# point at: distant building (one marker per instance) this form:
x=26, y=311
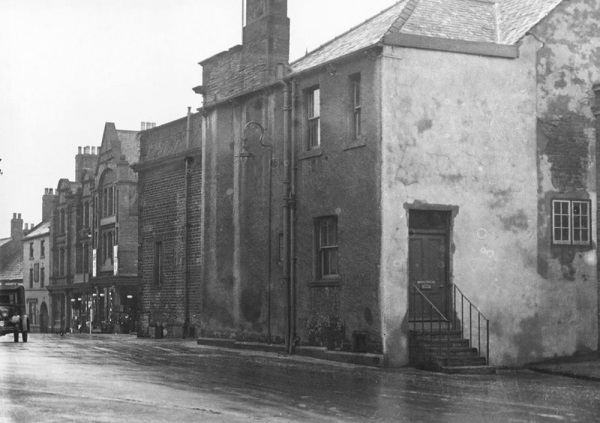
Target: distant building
x=36, y=267
x=94, y=239
x=114, y=233
x=11, y=253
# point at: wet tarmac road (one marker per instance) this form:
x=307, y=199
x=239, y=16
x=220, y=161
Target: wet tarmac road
x=107, y=378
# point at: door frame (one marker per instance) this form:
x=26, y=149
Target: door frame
x=450, y=212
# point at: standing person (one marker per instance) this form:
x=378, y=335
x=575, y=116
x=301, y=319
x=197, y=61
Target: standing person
x=25, y=327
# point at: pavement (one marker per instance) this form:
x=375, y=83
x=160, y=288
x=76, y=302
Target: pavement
x=582, y=366
x=104, y=378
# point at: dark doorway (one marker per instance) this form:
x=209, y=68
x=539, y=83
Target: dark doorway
x=429, y=258
x=44, y=318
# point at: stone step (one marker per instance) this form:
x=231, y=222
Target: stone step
x=439, y=334
x=429, y=326
x=452, y=352
x=461, y=361
x=444, y=343
x=469, y=370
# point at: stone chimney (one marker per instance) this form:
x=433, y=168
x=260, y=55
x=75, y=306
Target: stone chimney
x=16, y=227
x=267, y=33
x=84, y=162
x=48, y=200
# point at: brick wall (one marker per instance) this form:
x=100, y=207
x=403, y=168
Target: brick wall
x=162, y=218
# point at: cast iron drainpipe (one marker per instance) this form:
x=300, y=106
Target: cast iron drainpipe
x=292, y=211
x=186, y=315
x=286, y=213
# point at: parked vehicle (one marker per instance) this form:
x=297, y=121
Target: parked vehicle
x=12, y=311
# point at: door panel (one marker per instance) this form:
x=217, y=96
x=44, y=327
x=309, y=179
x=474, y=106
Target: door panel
x=428, y=263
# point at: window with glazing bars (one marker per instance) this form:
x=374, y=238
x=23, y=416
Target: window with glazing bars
x=313, y=101
x=571, y=222
x=327, y=247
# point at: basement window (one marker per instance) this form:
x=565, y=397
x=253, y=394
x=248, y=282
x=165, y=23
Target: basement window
x=571, y=222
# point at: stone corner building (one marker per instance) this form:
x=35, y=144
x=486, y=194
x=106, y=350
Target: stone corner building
x=433, y=167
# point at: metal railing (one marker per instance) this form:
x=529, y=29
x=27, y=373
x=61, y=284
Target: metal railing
x=465, y=318
x=477, y=323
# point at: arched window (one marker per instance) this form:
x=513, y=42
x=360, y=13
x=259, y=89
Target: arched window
x=108, y=194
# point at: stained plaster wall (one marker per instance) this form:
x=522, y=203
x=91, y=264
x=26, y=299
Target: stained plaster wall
x=568, y=65
x=460, y=130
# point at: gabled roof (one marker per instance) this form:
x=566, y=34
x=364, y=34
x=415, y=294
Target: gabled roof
x=128, y=141
x=501, y=22
x=40, y=230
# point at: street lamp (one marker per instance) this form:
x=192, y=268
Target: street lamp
x=252, y=130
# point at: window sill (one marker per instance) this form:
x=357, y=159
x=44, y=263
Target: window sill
x=357, y=143
x=305, y=155
x=108, y=220
x=325, y=283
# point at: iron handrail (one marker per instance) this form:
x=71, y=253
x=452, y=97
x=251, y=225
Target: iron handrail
x=453, y=323
x=479, y=315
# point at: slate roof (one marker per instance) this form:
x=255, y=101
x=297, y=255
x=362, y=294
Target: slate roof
x=130, y=145
x=12, y=269
x=4, y=241
x=486, y=21
x=40, y=230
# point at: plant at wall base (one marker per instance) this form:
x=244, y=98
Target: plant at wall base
x=329, y=331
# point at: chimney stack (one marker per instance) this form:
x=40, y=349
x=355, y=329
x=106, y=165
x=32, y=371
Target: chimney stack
x=16, y=227
x=48, y=200
x=267, y=34
x=94, y=151
x=86, y=150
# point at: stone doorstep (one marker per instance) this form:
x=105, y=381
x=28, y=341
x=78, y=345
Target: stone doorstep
x=365, y=359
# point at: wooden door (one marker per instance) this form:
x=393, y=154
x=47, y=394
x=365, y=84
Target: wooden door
x=428, y=270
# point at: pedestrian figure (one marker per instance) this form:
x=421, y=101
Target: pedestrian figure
x=25, y=327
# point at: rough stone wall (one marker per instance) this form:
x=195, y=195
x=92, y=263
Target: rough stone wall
x=238, y=299
x=340, y=179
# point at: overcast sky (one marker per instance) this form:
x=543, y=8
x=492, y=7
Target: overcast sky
x=69, y=66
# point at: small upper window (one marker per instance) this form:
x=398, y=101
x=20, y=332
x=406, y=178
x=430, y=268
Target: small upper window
x=571, y=222
x=356, y=106
x=313, y=101
x=31, y=250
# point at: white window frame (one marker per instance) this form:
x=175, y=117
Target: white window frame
x=327, y=248
x=313, y=114
x=570, y=222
